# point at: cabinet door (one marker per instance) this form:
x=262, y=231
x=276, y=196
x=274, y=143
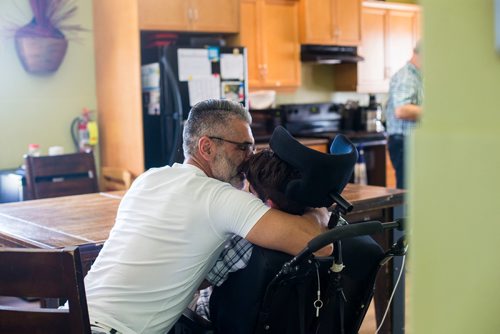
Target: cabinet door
x=280, y=39
x=389, y=32
x=164, y=15
x=215, y=15
x=249, y=37
x=400, y=38
x=372, y=72
x=316, y=22
x=347, y=22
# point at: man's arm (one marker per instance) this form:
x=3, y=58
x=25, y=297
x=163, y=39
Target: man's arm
x=410, y=112
x=290, y=233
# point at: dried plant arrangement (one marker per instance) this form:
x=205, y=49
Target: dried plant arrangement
x=41, y=44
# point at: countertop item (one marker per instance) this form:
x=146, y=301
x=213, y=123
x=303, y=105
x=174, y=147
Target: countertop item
x=261, y=99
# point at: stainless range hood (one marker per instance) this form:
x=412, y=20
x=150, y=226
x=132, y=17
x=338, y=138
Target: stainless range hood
x=329, y=54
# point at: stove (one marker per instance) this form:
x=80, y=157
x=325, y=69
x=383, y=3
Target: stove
x=316, y=120
x=305, y=120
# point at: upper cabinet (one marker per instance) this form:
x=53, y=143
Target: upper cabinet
x=189, y=15
x=269, y=30
x=389, y=34
x=330, y=22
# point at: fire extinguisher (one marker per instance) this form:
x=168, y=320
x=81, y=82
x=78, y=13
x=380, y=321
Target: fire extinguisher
x=84, y=132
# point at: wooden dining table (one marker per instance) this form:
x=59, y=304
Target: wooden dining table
x=86, y=221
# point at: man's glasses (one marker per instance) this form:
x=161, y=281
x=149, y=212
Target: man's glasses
x=245, y=146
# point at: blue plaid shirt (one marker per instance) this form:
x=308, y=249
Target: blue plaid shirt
x=235, y=256
x=405, y=88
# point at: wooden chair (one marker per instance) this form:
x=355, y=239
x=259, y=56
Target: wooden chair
x=60, y=175
x=114, y=178
x=44, y=273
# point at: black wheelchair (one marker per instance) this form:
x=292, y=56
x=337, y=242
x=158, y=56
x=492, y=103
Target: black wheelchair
x=280, y=294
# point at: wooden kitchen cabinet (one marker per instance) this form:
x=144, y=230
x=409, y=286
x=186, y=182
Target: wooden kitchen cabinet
x=330, y=22
x=389, y=33
x=269, y=30
x=189, y=15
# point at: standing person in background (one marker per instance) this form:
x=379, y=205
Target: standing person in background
x=403, y=110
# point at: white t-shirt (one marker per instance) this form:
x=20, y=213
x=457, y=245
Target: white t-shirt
x=170, y=228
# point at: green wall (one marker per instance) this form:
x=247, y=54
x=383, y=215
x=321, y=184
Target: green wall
x=454, y=174
x=39, y=109
x=316, y=85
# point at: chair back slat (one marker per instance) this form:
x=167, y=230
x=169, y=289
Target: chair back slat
x=46, y=320
x=65, y=187
x=54, y=273
x=60, y=175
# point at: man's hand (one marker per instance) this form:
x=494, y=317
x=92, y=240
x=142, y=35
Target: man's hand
x=290, y=233
x=320, y=215
x=410, y=112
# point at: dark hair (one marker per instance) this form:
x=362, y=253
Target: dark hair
x=269, y=175
x=210, y=117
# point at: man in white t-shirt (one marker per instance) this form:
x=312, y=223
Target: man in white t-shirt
x=174, y=221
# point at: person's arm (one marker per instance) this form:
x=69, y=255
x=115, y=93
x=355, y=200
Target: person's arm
x=290, y=233
x=410, y=112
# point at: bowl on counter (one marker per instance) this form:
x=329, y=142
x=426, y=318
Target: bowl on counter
x=262, y=99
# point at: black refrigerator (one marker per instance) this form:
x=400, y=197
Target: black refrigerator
x=174, y=78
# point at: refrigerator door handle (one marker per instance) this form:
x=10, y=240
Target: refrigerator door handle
x=176, y=115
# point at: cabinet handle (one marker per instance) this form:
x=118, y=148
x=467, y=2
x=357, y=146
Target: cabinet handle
x=262, y=71
x=387, y=72
x=190, y=14
x=196, y=14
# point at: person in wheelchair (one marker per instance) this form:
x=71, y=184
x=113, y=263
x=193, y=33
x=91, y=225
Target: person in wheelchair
x=236, y=307
x=267, y=177
x=174, y=221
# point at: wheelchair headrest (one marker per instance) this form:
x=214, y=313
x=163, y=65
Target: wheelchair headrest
x=322, y=174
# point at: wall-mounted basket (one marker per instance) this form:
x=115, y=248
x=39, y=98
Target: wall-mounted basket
x=41, y=55
x=41, y=45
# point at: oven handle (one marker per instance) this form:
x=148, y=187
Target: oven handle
x=369, y=143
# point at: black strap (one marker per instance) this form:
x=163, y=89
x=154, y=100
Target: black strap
x=301, y=305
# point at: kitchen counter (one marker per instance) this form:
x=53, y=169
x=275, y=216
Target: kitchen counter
x=354, y=136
